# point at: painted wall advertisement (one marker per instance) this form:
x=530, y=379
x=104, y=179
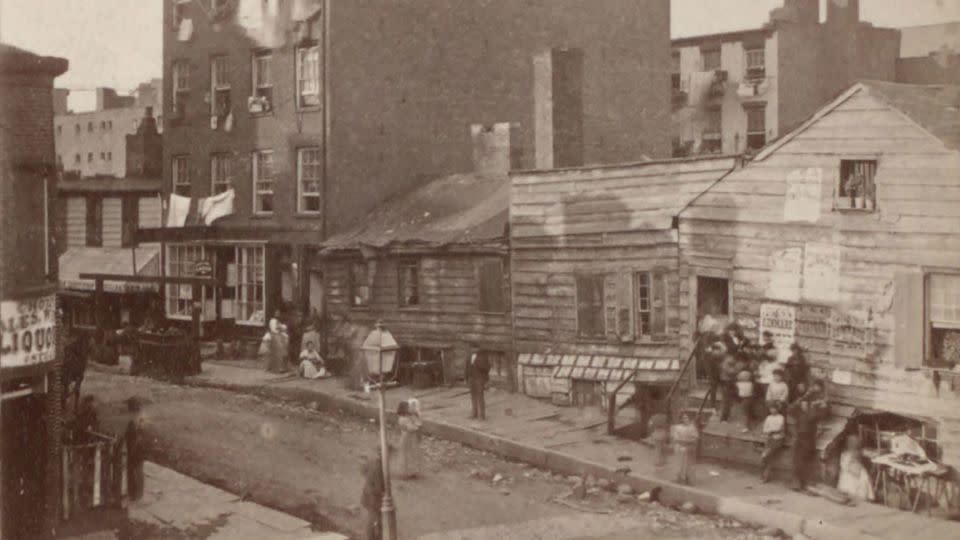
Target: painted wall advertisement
x=28, y=331
x=821, y=272
x=802, y=202
x=786, y=266
x=781, y=321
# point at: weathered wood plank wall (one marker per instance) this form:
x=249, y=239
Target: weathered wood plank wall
x=734, y=229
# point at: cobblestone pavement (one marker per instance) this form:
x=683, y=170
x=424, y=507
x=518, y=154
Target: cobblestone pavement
x=294, y=459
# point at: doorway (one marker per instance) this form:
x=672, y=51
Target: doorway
x=713, y=299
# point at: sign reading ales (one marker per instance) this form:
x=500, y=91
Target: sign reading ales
x=28, y=331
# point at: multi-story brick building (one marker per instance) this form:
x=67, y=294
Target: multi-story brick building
x=315, y=111
x=930, y=54
x=29, y=363
x=94, y=143
x=736, y=91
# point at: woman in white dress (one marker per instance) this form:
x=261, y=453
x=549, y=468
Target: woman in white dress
x=854, y=476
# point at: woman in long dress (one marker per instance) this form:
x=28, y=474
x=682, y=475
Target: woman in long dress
x=408, y=458
x=278, y=345
x=854, y=477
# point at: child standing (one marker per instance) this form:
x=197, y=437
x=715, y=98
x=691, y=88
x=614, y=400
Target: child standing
x=659, y=438
x=745, y=396
x=778, y=391
x=685, y=436
x=729, y=368
x=775, y=434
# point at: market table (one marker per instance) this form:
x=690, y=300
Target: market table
x=925, y=476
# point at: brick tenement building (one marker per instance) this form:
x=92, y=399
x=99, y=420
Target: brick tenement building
x=316, y=112
x=737, y=91
x=29, y=362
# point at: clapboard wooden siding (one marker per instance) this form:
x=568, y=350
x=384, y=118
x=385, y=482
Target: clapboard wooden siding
x=76, y=222
x=614, y=221
x=149, y=211
x=448, y=315
x=112, y=221
x=735, y=228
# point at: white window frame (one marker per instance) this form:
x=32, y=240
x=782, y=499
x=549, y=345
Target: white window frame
x=219, y=83
x=180, y=75
x=261, y=63
x=308, y=76
x=260, y=157
x=762, y=111
x=180, y=167
x=703, y=59
x=251, y=286
x=221, y=172
x=179, y=298
x=302, y=193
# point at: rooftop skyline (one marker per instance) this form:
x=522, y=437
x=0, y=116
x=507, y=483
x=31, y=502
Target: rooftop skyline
x=122, y=43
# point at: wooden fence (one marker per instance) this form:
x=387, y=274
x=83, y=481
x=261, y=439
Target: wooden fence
x=94, y=474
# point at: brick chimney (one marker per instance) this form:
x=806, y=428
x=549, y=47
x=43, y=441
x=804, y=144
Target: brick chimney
x=843, y=12
x=558, y=108
x=495, y=148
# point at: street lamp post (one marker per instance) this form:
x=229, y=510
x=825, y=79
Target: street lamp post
x=380, y=351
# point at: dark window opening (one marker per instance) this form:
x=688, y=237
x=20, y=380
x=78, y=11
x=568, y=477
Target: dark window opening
x=493, y=293
x=94, y=222
x=590, y=320
x=408, y=283
x=857, y=189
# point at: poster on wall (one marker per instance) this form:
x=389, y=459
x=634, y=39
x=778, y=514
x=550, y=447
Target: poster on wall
x=785, y=270
x=781, y=321
x=851, y=333
x=28, y=331
x=802, y=202
x=821, y=272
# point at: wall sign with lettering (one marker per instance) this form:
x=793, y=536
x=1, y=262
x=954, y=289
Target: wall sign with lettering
x=28, y=331
x=781, y=321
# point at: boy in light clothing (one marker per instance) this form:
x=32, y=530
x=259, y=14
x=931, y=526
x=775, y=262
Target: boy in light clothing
x=774, y=431
x=778, y=390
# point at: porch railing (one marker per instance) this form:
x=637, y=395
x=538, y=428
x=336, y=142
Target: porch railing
x=94, y=474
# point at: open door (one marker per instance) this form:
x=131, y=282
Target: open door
x=713, y=299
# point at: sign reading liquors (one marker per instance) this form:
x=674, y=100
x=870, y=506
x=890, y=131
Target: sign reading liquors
x=28, y=331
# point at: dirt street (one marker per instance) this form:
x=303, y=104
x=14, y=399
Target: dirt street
x=307, y=463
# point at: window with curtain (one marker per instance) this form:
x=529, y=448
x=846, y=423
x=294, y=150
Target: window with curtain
x=943, y=318
x=263, y=181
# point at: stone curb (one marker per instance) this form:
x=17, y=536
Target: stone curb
x=671, y=493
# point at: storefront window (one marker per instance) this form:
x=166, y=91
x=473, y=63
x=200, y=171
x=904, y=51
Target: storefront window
x=250, y=285
x=180, y=263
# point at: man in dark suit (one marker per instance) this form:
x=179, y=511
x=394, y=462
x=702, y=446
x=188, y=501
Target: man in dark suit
x=478, y=373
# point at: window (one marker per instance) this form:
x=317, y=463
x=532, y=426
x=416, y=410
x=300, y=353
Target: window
x=262, y=99
x=359, y=284
x=76, y=129
x=250, y=283
x=220, y=86
x=857, y=189
x=181, y=259
x=712, y=142
x=756, y=67
x=675, y=71
x=221, y=174
x=103, y=125
x=82, y=315
x=710, y=59
x=109, y=156
x=181, y=175
x=130, y=219
x=943, y=319
x=77, y=159
x=59, y=130
x=590, y=305
x=89, y=127
x=756, y=127
x=308, y=180
x=94, y=222
x=181, y=88
x=263, y=181
x=650, y=291
x=308, y=76
x=109, y=125
x=89, y=157
x=493, y=293
x=103, y=156
x=408, y=283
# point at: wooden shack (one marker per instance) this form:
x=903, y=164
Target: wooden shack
x=596, y=292
x=844, y=236
x=432, y=265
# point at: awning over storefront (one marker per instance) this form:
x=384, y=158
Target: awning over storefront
x=81, y=260
x=601, y=367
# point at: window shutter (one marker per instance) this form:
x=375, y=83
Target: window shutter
x=611, y=306
x=491, y=286
x=590, y=302
x=658, y=304
x=625, y=307
x=909, y=319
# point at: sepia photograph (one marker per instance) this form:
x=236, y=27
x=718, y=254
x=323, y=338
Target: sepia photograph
x=479, y=269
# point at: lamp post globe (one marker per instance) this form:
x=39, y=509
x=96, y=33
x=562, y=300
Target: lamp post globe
x=380, y=352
